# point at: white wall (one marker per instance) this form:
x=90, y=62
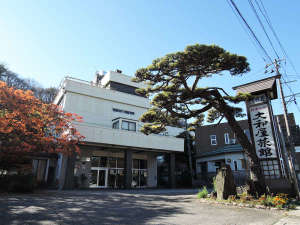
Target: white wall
x=100, y=134
x=96, y=105
x=99, y=111
x=120, y=78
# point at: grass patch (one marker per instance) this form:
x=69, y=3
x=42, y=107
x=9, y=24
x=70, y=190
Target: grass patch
x=203, y=193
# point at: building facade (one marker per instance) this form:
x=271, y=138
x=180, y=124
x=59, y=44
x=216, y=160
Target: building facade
x=114, y=154
x=217, y=145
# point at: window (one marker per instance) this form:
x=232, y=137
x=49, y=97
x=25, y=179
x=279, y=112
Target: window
x=226, y=138
x=126, y=125
x=244, y=163
x=116, y=125
x=235, y=165
x=213, y=139
x=247, y=132
x=270, y=168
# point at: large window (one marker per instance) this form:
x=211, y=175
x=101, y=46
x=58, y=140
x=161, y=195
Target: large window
x=109, y=172
x=226, y=139
x=213, y=139
x=124, y=124
x=127, y=125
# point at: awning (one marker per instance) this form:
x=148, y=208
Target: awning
x=222, y=150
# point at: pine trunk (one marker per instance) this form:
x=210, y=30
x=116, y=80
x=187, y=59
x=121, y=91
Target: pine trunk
x=256, y=176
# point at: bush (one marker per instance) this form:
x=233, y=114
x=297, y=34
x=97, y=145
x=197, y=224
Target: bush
x=17, y=183
x=203, y=193
x=279, y=201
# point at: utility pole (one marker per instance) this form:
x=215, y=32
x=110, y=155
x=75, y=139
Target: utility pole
x=189, y=152
x=290, y=143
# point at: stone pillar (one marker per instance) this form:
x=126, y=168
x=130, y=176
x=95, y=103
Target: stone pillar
x=172, y=181
x=127, y=169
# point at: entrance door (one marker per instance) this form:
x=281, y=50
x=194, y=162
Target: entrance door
x=99, y=178
x=102, y=178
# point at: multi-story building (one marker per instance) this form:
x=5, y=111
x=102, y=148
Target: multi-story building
x=114, y=153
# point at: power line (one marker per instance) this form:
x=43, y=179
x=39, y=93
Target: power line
x=250, y=29
x=263, y=11
x=263, y=27
x=246, y=31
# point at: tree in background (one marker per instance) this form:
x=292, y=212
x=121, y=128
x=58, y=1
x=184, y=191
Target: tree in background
x=28, y=127
x=174, y=85
x=12, y=79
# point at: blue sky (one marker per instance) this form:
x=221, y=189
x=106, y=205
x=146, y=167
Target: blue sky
x=47, y=40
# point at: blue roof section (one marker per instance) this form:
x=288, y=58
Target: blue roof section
x=223, y=150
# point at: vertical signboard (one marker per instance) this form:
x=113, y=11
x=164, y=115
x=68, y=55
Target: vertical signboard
x=263, y=136
x=262, y=132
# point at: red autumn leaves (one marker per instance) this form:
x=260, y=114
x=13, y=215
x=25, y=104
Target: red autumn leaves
x=28, y=125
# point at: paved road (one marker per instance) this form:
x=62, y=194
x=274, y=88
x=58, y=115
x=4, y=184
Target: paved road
x=130, y=207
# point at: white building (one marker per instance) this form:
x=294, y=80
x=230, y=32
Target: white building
x=114, y=153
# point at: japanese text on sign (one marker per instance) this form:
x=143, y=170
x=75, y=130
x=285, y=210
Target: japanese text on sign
x=262, y=131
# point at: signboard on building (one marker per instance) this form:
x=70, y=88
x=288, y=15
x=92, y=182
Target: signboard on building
x=262, y=131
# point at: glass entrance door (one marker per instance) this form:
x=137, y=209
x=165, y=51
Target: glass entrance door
x=98, y=178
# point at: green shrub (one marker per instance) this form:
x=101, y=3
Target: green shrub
x=266, y=200
x=203, y=193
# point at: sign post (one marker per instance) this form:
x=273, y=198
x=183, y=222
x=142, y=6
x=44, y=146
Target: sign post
x=263, y=132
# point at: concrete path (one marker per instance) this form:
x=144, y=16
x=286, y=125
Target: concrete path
x=131, y=207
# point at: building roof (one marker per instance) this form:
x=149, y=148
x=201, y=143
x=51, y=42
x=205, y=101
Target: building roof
x=259, y=86
x=223, y=150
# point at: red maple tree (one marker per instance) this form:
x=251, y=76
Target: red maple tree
x=29, y=127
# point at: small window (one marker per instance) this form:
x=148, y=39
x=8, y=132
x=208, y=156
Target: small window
x=235, y=165
x=226, y=139
x=213, y=139
x=126, y=125
x=123, y=111
x=247, y=132
x=116, y=125
x=244, y=163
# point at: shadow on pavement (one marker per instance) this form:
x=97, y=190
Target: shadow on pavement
x=88, y=208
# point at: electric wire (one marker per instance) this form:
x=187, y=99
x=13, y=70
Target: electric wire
x=263, y=27
x=247, y=32
x=264, y=12
x=250, y=29
x=258, y=43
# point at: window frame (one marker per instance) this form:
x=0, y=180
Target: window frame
x=213, y=139
x=117, y=126
x=248, y=134
x=226, y=138
x=128, y=127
